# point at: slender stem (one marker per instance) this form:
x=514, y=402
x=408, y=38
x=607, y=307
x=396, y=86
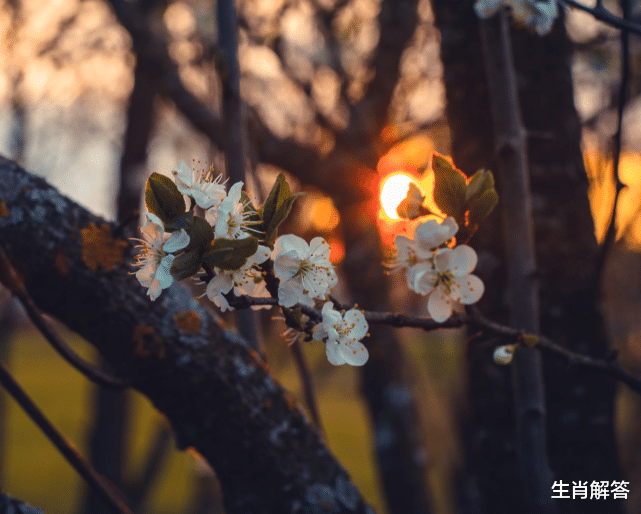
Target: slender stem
x=10, y=279
x=608, y=367
x=107, y=491
x=602, y=14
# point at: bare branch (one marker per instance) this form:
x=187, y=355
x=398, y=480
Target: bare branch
x=10, y=279
x=219, y=398
x=107, y=491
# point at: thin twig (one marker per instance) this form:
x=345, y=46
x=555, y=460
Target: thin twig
x=602, y=14
x=11, y=280
x=474, y=318
x=107, y=491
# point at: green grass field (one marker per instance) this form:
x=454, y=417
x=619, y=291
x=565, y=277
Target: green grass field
x=33, y=471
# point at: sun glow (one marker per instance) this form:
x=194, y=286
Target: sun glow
x=394, y=190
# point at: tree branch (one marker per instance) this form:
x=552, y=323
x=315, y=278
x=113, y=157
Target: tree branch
x=217, y=395
x=107, y=491
x=9, y=279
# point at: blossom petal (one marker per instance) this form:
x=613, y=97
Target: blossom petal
x=177, y=241
x=319, y=248
x=145, y=275
x=462, y=260
x=290, y=242
x=207, y=196
x=185, y=174
x=357, y=324
x=468, y=289
x=431, y=234
x=154, y=290
x=155, y=220
x=234, y=193
x=261, y=255
x=405, y=248
x=439, y=304
x=318, y=332
x=222, y=228
x=163, y=273
x=333, y=355
x=424, y=280
x=353, y=352
x=290, y=292
x=211, y=216
x=286, y=264
x=442, y=259
x=217, y=286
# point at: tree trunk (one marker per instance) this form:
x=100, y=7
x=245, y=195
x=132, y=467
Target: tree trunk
x=219, y=398
x=581, y=441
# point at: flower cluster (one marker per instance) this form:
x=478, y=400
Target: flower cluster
x=536, y=14
x=231, y=244
x=440, y=273
x=343, y=333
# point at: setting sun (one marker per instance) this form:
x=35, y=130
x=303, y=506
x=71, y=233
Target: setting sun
x=393, y=192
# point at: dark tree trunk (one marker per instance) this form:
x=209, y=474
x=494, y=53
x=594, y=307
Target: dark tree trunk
x=219, y=398
x=580, y=404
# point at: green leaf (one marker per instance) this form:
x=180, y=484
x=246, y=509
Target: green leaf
x=183, y=221
x=186, y=264
x=271, y=231
x=230, y=254
x=200, y=234
x=163, y=199
x=480, y=182
x=482, y=207
x=449, y=187
x=279, y=193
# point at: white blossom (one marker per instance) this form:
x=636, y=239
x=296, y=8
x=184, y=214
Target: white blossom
x=305, y=271
x=198, y=185
x=230, y=219
x=414, y=254
x=244, y=281
x=156, y=258
x=343, y=333
x=538, y=15
x=431, y=234
x=447, y=281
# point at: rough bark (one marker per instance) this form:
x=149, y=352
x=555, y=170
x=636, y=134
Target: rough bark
x=217, y=396
x=580, y=431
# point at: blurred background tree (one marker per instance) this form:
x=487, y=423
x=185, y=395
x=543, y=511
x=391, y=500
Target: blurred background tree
x=341, y=95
